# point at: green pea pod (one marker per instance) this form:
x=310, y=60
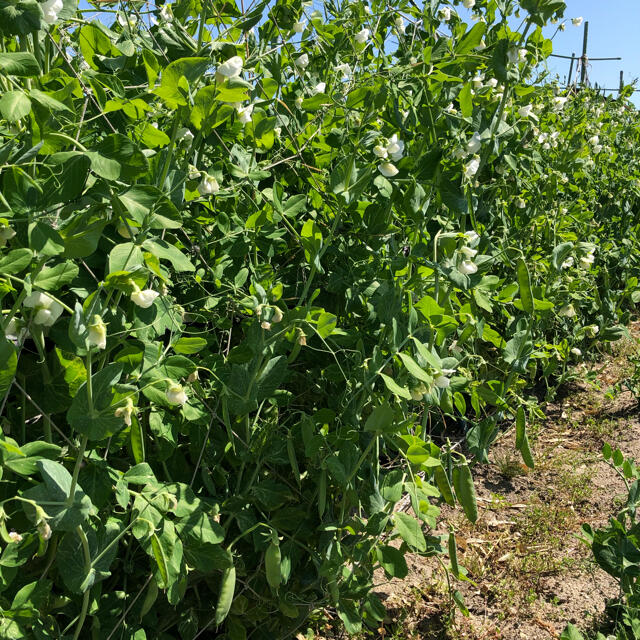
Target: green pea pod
x=272, y=561
x=465, y=491
x=225, y=598
x=522, y=440
x=524, y=283
x=453, y=554
x=442, y=482
x=293, y=461
x=322, y=493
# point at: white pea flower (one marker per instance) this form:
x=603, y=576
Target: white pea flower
x=468, y=252
x=387, y=169
x=208, y=185
x=176, y=394
x=302, y=61
x=15, y=537
x=129, y=21
x=567, y=311
x=521, y=203
x=512, y=55
x=298, y=102
x=492, y=83
x=467, y=267
x=125, y=412
x=47, y=309
x=367, y=9
x=380, y=151
x=277, y=315
x=587, y=261
x=526, y=111
x=231, y=68
x=298, y=27
x=445, y=14
x=418, y=392
x=145, y=298
x=395, y=148
x=471, y=168
x=193, y=376
x=98, y=333
x=277, y=131
x=51, y=9
x=44, y=529
x=244, y=116
x=592, y=330
x=442, y=381
x=166, y=13
x=399, y=22
x=471, y=236
x=362, y=36
x=522, y=54
x=474, y=144
x=477, y=81
x=576, y=22
x=576, y=351
x=320, y=87
x=265, y=325
x=194, y=173
x=185, y=135
x=594, y=140
x=597, y=149
x=469, y=4
x=15, y=331
x=482, y=46
x=343, y=70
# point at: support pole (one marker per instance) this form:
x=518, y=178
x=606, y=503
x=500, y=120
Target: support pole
x=584, y=59
x=573, y=58
x=621, y=82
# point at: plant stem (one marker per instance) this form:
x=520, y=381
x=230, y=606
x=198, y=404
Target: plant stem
x=85, y=439
x=87, y=567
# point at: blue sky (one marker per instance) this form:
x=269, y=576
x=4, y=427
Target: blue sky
x=613, y=31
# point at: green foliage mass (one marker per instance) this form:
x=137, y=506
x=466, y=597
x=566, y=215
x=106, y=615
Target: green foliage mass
x=260, y=267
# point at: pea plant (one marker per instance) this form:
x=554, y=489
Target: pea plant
x=266, y=273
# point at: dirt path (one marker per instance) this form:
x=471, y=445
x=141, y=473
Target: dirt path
x=530, y=573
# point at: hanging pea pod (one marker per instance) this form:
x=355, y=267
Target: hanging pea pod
x=322, y=493
x=225, y=597
x=524, y=282
x=443, y=484
x=453, y=554
x=465, y=491
x=272, y=563
x=522, y=439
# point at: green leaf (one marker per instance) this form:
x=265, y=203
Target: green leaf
x=410, y=531
x=8, y=365
x=560, y=254
x=164, y=250
x=466, y=101
x=47, y=101
x=187, y=346
x=392, y=561
x=97, y=419
x=176, y=78
x=53, y=278
x=471, y=38
x=53, y=494
x=125, y=257
x=45, y=240
x=381, y=419
x=16, y=261
x=571, y=633
x=414, y=369
x=14, y=105
x=19, y=63
x=395, y=388
x=19, y=18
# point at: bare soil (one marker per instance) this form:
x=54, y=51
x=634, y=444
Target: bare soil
x=529, y=573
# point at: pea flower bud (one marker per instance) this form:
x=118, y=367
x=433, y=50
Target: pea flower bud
x=176, y=394
x=98, y=333
x=125, y=412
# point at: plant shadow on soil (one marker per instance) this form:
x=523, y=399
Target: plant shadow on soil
x=529, y=572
